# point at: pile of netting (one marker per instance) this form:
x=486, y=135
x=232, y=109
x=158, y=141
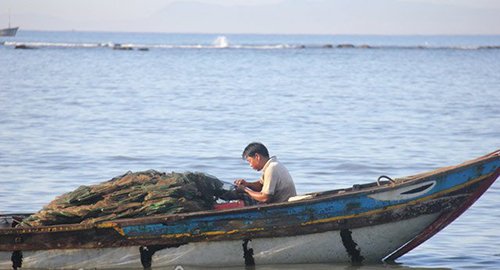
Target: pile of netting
x=131, y=195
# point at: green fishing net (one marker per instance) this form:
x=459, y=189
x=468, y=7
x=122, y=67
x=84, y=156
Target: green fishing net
x=134, y=194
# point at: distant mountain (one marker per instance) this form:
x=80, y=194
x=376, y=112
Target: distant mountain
x=292, y=17
x=326, y=16
x=200, y=17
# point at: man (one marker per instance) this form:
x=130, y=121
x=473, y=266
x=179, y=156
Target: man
x=275, y=184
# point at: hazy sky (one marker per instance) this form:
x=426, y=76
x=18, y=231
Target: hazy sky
x=258, y=16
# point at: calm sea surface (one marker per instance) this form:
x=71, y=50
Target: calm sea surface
x=74, y=111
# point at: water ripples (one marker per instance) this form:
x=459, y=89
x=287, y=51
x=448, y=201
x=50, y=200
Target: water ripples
x=334, y=117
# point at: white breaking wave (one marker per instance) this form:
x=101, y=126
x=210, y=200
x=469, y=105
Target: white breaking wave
x=52, y=44
x=222, y=42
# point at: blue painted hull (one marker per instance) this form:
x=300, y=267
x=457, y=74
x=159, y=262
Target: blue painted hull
x=361, y=224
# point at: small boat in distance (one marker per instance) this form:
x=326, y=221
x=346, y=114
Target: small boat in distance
x=8, y=32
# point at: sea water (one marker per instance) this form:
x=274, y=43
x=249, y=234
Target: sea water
x=79, y=108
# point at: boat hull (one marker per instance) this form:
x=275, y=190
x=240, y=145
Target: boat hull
x=372, y=244
x=8, y=32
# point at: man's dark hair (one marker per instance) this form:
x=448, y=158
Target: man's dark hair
x=255, y=148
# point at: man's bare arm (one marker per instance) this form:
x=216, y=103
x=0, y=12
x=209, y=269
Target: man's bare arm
x=257, y=195
x=255, y=186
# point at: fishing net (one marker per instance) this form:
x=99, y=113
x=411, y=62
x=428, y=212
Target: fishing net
x=134, y=194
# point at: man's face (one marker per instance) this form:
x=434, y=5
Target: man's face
x=255, y=162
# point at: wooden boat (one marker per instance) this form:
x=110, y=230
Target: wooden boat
x=366, y=223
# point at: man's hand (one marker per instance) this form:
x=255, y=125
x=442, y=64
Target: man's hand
x=240, y=182
x=240, y=188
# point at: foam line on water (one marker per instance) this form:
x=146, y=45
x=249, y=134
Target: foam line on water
x=224, y=44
